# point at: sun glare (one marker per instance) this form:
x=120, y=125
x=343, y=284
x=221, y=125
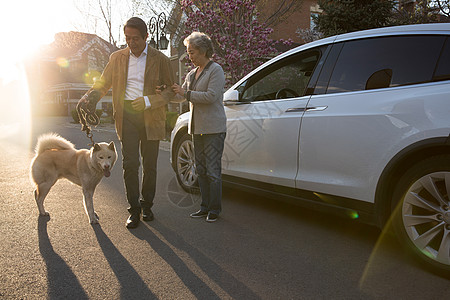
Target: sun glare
x=15, y=114
x=25, y=26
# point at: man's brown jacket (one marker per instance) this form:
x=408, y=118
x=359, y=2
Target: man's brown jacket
x=157, y=72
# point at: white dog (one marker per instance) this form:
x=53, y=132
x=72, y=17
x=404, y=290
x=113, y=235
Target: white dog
x=57, y=158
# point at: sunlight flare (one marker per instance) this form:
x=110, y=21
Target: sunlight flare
x=62, y=62
x=15, y=113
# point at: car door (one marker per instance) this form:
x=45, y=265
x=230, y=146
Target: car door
x=263, y=127
x=365, y=102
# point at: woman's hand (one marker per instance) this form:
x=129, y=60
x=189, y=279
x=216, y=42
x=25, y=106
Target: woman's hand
x=178, y=89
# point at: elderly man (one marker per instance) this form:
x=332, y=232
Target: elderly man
x=139, y=113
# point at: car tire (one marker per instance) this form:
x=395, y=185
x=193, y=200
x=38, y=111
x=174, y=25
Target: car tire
x=184, y=164
x=421, y=212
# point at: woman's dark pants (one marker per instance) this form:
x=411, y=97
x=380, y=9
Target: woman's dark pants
x=208, y=150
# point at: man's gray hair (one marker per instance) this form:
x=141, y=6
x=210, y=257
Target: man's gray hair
x=201, y=42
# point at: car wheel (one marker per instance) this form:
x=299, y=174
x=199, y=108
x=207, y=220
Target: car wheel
x=184, y=166
x=421, y=211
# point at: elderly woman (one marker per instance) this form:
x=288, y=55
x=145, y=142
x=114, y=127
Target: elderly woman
x=203, y=88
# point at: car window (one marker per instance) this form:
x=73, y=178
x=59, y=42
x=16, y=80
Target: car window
x=385, y=62
x=443, y=67
x=285, y=79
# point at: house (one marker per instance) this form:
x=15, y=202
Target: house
x=62, y=72
x=300, y=19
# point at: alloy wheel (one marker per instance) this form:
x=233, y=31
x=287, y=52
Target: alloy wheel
x=185, y=164
x=426, y=215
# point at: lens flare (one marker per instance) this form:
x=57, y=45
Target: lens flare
x=325, y=198
x=353, y=214
x=62, y=62
x=91, y=76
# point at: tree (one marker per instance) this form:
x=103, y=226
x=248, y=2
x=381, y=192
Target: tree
x=240, y=41
x=106, y=12
x=444, y=7
x=105, y=18
x=341, y=16
x=275, y=12
x=148, y=8
x=422, y=11
x=271, y=12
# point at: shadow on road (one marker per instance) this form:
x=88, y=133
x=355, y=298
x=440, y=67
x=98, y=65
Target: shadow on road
x=132, y=285
x=62, y=282
x=233, y=287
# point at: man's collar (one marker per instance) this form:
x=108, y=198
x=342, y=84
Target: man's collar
x=145, y=50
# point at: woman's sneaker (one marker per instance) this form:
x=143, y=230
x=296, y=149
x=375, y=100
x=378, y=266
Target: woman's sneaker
x=199, y=214
x=211, y=217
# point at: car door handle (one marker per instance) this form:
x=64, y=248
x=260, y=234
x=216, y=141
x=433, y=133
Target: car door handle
x=296, y=109
x=302, y=109
x=317, y=108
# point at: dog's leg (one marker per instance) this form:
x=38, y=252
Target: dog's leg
x=40, y=193
x=88, y=202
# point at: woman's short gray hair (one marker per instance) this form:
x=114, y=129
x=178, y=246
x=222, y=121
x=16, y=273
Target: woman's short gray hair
x=201, y=42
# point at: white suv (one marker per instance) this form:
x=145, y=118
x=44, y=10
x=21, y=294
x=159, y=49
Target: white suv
x=357, y=123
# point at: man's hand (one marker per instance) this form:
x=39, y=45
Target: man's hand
x=138, y=104
x=160, y=88
x=83, y=99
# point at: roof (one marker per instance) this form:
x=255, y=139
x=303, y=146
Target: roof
x=69, y=44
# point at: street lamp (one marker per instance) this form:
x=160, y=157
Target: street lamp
x=157, y=25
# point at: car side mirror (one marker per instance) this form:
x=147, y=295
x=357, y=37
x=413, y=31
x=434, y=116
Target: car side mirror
x=380, y=79
x=231, y=97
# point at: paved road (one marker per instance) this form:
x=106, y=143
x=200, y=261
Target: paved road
x=259, y=248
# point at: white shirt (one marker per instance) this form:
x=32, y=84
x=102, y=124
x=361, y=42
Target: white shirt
x=135, y=79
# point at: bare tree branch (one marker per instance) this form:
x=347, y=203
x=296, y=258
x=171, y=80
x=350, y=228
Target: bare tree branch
x=105, y=9
x=281, y=10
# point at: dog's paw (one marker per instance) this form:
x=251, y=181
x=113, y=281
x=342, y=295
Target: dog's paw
x=44, y=214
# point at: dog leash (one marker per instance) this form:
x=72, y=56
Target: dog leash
x=87, y=115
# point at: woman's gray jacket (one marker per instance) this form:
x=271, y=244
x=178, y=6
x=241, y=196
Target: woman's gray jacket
x=205, y=96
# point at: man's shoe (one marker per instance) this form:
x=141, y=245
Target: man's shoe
x=147, y=215
x=133, y=221
x=199, y=214
x=211, y=217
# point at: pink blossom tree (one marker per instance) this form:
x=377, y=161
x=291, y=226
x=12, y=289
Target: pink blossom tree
x=240, y=42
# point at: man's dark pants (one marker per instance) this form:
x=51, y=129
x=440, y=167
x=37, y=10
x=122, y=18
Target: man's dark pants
x=135, y=146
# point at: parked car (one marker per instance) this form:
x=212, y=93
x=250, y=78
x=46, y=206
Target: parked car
x=357, y=124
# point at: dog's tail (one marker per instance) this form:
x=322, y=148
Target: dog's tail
x=52, y=141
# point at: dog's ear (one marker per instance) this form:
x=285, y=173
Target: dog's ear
x=111, y=146
x=96, y=147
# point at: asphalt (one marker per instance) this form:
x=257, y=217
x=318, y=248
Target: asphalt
x=258, y=249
